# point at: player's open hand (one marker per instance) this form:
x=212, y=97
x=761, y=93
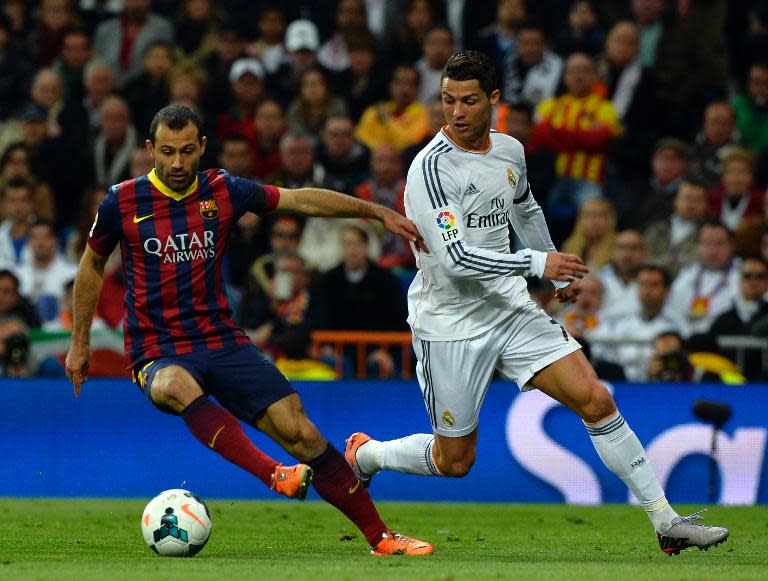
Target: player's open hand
x=564, y=267
x=570, y=293
x=402, y=226
x=76, y=365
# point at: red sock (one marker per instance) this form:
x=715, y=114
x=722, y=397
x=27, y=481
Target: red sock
x=336, y=484
x=220, y=431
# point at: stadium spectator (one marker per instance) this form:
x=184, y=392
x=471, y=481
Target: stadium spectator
x=670, y=360
x=148, y=91
x=359, y=295
x=498, y=39
x=187, y=84
x=75, y=237
x=750, y=107
x=629, y=331
x=737, y=197
x=17, y=316
x=19, y=211
x=284, y=235
x=632, y=90
x=314, y=104
x=301, y=41
x=649, y=200
x=246, y=78
x=585, y=318
x=15, y=164
x=517, y=121
x=401, y=121
x=581, y=150
x=47, y=92
x=122, y=41
x=531, y=72
x=594, y=233
x=287, y=309
x=115, y=143
x=716, y=136
x=195, y=27
x=229, y=47
x=705, y=289
x=41, y=280
x=13, y=305
x=141, y=162
x=55, y=19
x=16, y=72
x=70, y=64
x=436, y=118
x=236, y=156
x=619, y=277
x=343, y=157
x=437, y=48
x=747, y=309
x=63, y=321
x=363, y=83
x=300, y=168
x=79, y=119
x=386, y=187
x=583, y=32
x=404, y=46
x=270, y=127
x=672, y=242
x=690, y=63
x=269, y=47
x=351, y=18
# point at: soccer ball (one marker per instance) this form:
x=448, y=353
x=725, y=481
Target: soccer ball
x=176, y=523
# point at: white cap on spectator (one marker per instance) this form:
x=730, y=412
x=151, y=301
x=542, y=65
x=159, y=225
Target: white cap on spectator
x=242, y=66
x=301, y=34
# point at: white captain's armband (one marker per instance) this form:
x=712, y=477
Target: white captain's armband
x=441, y=226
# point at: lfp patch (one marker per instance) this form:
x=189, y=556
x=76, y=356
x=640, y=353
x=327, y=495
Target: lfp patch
x=209, y=209
x=446, y=220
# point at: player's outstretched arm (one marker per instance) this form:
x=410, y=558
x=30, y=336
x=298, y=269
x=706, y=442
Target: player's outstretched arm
x=88, y=283
x=320, y=202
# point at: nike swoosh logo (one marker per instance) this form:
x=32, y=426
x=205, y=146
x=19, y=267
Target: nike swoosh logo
x=352, y=490
x=216, y=435
x=185, y=509
x=136, y=219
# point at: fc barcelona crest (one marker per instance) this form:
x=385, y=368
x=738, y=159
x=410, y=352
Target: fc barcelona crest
x=511, y=177
x=209, y=209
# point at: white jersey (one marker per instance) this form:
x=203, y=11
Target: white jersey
x=463, y=203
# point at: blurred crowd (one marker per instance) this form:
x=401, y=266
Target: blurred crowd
x=644, y=122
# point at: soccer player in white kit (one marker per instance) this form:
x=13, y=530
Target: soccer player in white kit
x=470, y=311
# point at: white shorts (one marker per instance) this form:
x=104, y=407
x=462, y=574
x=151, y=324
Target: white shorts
x=454, y=375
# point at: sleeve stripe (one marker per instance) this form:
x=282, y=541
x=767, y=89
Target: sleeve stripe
x=481, y=264
x=524, y=197
x=493, y=262
x=439, y=193
x=426, y=168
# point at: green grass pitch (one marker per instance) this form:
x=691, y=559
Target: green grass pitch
x=64, y=539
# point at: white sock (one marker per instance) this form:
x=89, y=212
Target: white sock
x=621, y=451
x=412, y=455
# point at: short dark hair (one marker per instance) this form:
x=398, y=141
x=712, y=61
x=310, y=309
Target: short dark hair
x=5, y=273
x=40, y=222
x=16, y=146
x=650, y=267
x=755, y=258
x=715, y=223
x=471, y=64
x=175, y=118
x=357, y=230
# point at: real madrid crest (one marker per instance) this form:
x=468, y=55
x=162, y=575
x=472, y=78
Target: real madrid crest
x=209, y=209
x=511, y=177
x=448, y=420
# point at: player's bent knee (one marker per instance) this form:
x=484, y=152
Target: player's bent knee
x=172, y=392
x=600, y=404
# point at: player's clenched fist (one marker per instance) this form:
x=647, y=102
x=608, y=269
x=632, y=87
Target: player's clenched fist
x=564, y=267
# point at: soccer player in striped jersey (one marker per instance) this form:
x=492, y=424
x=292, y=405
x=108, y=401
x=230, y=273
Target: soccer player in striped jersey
x=172, y=226
x=470, y=311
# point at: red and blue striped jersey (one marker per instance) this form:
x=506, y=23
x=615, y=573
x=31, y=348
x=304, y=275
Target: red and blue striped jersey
x=172, y=246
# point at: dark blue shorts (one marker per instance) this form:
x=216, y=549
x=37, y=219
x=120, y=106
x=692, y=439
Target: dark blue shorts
x=240, y=378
